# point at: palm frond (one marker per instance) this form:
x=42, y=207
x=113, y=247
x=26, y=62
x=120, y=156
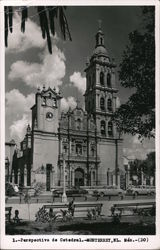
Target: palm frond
x=6, y=25
x=24, y=18
x=40, y=10
x=67, y=28
x=64, y=24
x=52, y=15
x=47, y=16
x=10, y=11
x=45, y=28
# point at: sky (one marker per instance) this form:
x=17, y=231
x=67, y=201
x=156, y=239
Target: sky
x=28, y=64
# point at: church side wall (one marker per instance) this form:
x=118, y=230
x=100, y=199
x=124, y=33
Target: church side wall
x=107, y=153
x=45, y=151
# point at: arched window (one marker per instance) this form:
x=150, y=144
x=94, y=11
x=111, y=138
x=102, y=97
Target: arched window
x=65, y=149
x=78, y=124
x=109, y=104
x=109, y=80
x=92, y=151
x=110, y=128
x=102, y=78
x=103, y=128
x=102, y=103
x=78, y=149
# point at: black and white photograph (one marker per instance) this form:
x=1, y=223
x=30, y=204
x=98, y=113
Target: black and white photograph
x=79, y=133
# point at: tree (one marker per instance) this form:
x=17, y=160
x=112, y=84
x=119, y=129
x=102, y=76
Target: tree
x=137, y=72
x=147, y=166
x=135, y=168
x=47, y=16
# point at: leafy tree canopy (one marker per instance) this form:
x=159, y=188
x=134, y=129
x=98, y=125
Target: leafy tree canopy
x=137, y=71
x=47, y=16
x=147, y=166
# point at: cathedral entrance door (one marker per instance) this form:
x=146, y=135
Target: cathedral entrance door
x=79, y=177
x=48, y=176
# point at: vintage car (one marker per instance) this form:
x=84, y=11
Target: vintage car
x=70, y=192
x=141, y=190
x=109, y=191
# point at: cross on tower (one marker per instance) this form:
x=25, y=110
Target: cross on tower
x=78, y=103
x=100, y=24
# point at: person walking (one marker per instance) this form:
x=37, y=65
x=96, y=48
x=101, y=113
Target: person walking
x=71, y=207
x=113, y=208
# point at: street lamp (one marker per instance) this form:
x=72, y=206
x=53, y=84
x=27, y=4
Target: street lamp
x=64, y=196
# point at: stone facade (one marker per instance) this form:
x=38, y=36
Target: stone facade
x=88, y=139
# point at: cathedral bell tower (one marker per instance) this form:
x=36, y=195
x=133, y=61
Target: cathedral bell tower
x=100, y=102
x=100, y=95
x=45, y=143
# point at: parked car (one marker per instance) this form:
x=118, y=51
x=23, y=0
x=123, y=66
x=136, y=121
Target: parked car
x=141, y=190
x=93, y=189
x=109, y=191
x=30, y=191
x=69, y=192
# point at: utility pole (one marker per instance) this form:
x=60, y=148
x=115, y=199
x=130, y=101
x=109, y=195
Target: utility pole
x=96, y=155
x=69, y=147
x=88, y=176
x=64, y=196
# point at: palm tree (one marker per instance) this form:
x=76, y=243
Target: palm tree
x=47, y=16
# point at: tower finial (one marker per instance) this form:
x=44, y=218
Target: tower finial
x=99, y=24
x=78, y=103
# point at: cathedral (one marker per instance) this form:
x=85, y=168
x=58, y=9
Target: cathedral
x=87, y=140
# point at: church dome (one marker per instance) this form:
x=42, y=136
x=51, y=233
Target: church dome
x=100, y=50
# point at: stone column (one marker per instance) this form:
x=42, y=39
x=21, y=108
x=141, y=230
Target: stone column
x=108, y=177
x=127, y=178
x=151, y=180
x=61, y=174
x=114, y=180
x=32, y=174
x=73, y=176
x=52, y=177
x=13, y=177
x=142, y=178
x=25, y=175
x=118, y=180
x=91, y=176
x=19, y=175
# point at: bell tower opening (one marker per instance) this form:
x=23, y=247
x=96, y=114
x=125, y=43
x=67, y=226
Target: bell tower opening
x=103, y=94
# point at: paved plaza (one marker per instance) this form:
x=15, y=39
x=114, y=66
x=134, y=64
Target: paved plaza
x=34, y=207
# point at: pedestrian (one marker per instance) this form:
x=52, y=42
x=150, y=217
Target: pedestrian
x=97, y=196
x=121, y=196
x=113, y=208
x=51, y=214
x=20, y=197
x=16, y=217
x=134, y=195
x=71, y=207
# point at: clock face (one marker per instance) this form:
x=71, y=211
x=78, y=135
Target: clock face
x=49, y=115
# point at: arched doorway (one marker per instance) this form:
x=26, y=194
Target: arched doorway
x=79, y=177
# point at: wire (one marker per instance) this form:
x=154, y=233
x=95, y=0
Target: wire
x=17, y=10
x=30, y=17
